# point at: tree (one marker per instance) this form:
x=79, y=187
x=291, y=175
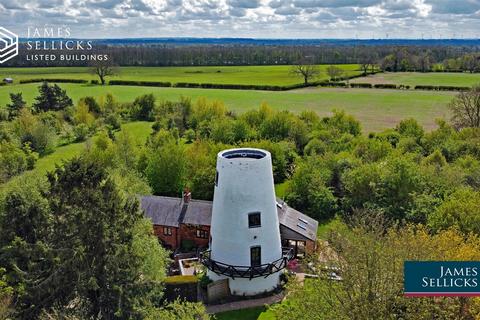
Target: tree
x=369, y=259
x=309, y=190
x=82, y=115
x=461, y=209
x=334, y=72
x=142, y=108
x=51, y=98
x=181, y=311
x=81, y=244
x=306, y=71
x=16, y=105
x=14, y=160
x=93, y=105
x=103, y=69
x=165, y=169
x=465, y=108
x=31, y=131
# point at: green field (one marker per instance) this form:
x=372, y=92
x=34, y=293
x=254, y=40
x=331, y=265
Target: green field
x=417, y=78
x=258, y=75
x=376, y=109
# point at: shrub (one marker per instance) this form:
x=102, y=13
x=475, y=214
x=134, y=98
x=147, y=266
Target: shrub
x=81, y=132
x=113, y=120
x=142, y=108
x=13, y=161
x=204, y=281
x=189, y=135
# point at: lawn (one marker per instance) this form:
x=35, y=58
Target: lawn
x=417, y=78
x=376, y=109
x=258, y=75
x=258, y=313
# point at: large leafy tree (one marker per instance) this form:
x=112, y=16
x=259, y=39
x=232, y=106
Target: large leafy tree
x=166, y=169
x=82, y=244
x=369, y=259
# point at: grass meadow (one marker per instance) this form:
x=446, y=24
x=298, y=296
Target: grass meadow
x=417, y=78
x=377, y=109
x=256, y=75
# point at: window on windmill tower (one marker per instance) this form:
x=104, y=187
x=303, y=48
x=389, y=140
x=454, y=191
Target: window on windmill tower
x=216, y=178
x=254, y=220
x=255, y=256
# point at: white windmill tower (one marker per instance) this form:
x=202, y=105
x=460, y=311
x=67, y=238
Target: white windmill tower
x=245, y=245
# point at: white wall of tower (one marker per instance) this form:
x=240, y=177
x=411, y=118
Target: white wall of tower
x=245, y=185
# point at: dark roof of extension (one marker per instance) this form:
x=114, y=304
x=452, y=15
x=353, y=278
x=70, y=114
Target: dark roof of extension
x=167, y=211
x=296, y=221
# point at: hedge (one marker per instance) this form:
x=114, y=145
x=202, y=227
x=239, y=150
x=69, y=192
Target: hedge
x=385, y=86
x=181, y=279
x=94, y=82
x=441, y=88
x=361, y=85
x=239, y=86
x=53, y=80
x=139, y=83
x=333, y=84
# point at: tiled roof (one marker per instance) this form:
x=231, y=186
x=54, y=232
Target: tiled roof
x=168, y=211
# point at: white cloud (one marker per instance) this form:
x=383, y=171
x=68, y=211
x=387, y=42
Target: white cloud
x=247, y=18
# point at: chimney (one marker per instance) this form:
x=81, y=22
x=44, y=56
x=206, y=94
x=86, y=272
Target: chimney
x=187, y=195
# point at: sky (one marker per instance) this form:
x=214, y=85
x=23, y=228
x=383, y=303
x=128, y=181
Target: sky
x=363, y=19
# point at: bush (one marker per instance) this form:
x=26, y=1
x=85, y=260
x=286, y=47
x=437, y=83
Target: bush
x=189, y=135
x=142, y=108
x=204, y=281
x=113, y=120
x=81, y=132
x=14, y=160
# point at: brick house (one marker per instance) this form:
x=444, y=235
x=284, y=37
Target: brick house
x=185, y=223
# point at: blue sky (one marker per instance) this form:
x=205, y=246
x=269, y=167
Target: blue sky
x=248, y=18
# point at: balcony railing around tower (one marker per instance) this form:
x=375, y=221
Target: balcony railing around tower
x=263, y=270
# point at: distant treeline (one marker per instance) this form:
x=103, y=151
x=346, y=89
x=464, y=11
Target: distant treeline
x=394, y=58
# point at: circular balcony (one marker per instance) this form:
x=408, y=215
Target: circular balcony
x=249, y=272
